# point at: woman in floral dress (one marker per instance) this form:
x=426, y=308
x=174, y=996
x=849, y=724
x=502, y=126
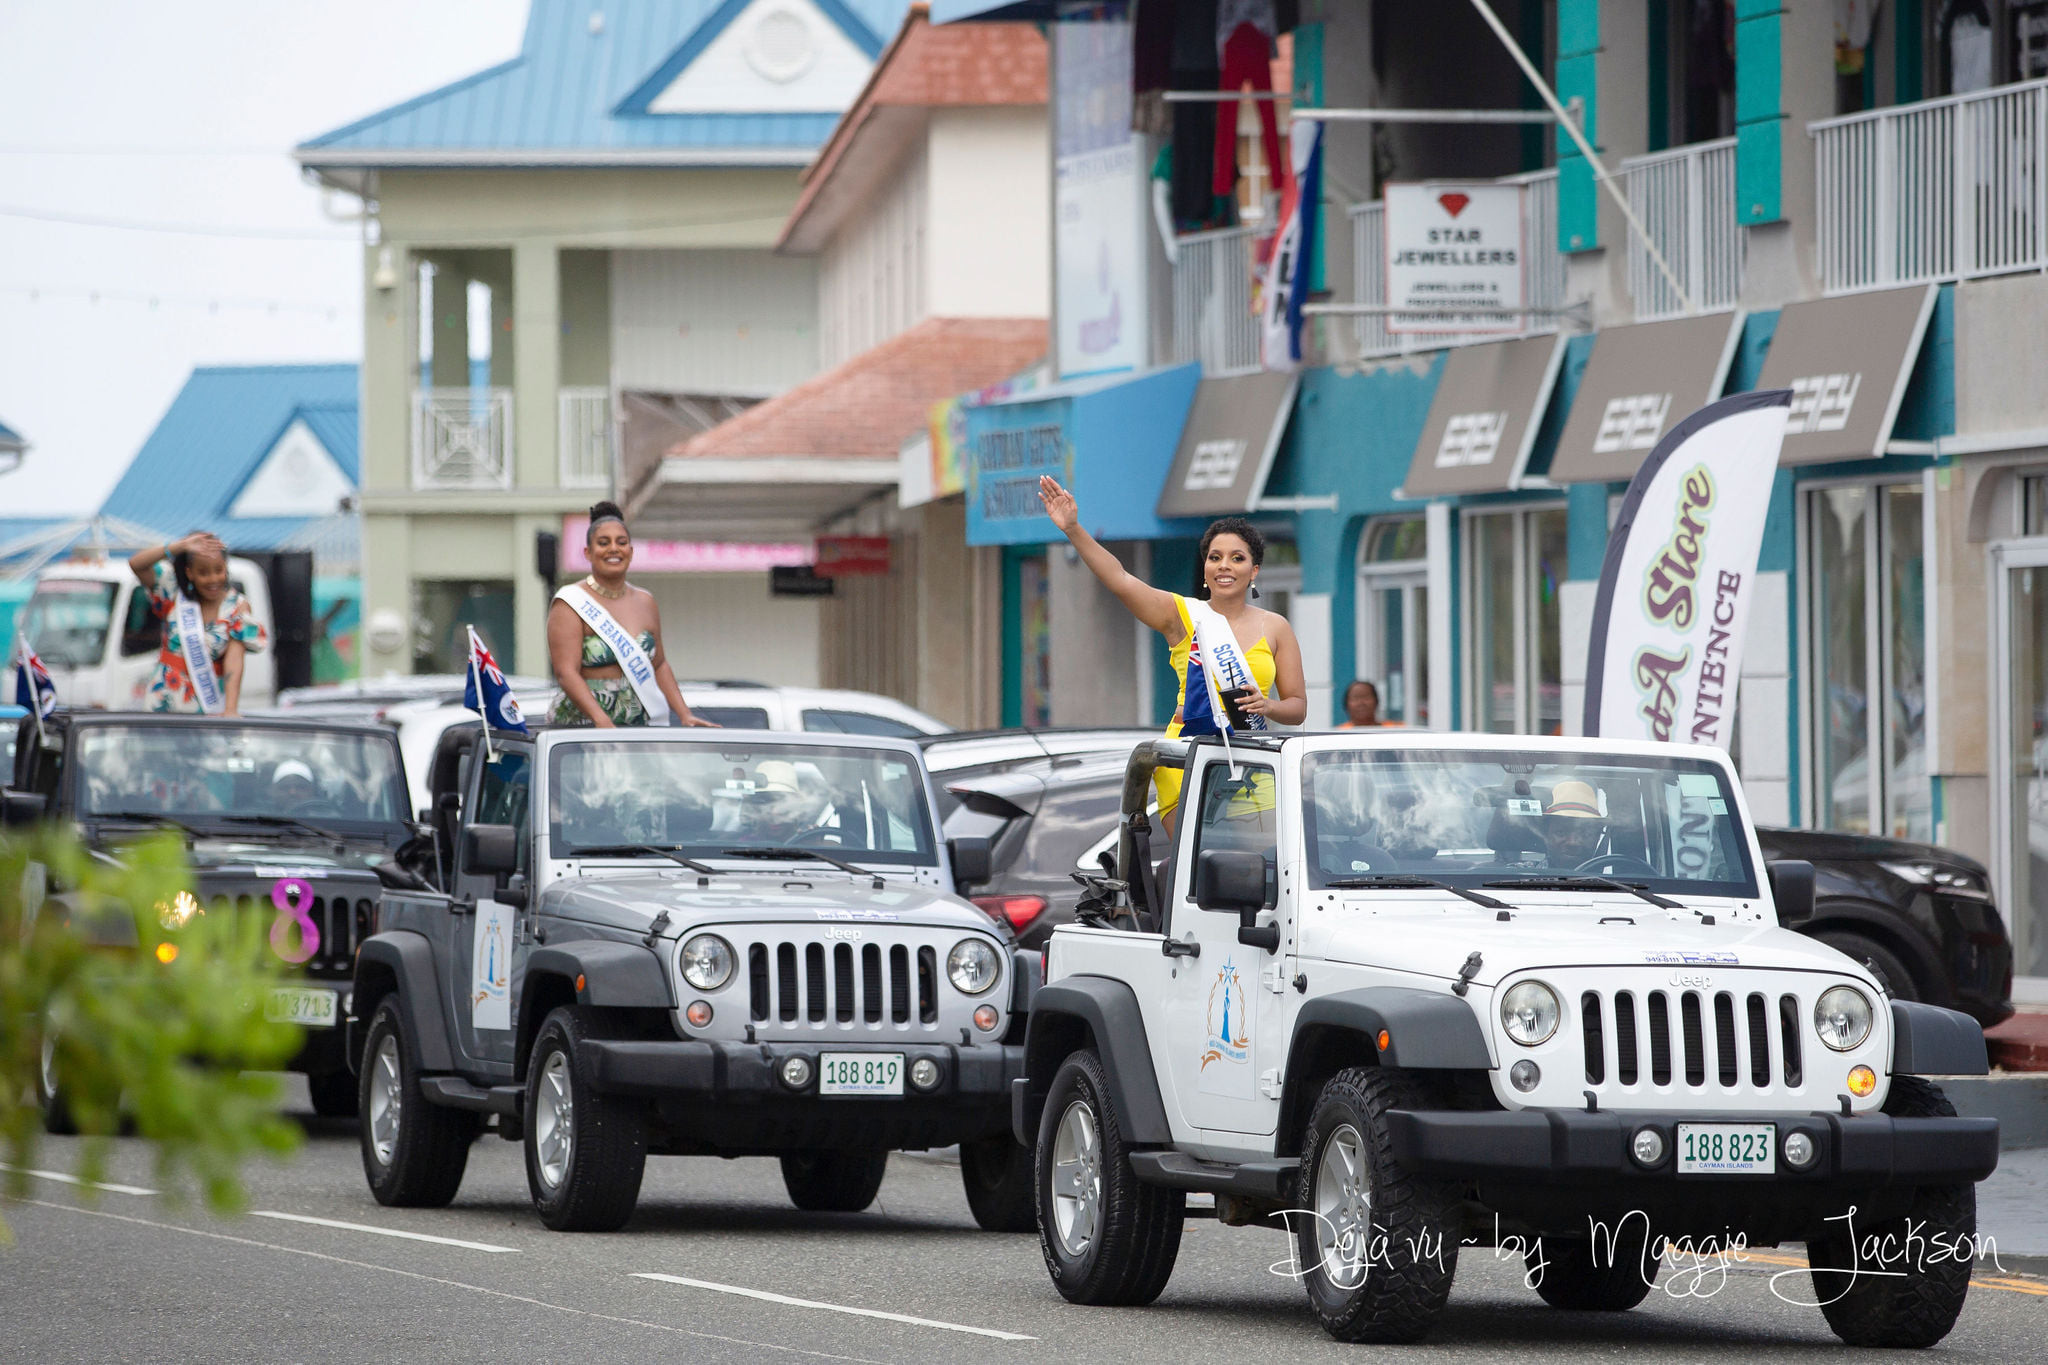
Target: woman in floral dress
x=195, y=567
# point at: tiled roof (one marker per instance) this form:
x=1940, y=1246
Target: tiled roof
x=866, y=407
x=215, y=435
x=927, y=68
x=569, y=97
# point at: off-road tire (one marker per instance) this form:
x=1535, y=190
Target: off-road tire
x=607, y=1135
x=49, y=1082
x=1136, y=1230
x=1406, y=1265
x=1581, y=1277
x=833, y=1182
x=1918, y=1308
x=997, y=1175
x=335, y=1094
x=1888, y=967
x=429, y=1149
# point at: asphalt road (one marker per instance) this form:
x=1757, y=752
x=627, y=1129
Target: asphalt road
x=124, y=1274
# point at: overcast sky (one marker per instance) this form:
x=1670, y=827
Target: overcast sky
x=182, y=112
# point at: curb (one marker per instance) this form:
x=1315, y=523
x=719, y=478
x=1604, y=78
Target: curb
x=2017, y=1099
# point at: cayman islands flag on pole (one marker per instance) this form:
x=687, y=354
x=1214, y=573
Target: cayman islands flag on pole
x=487, y=693
x=33, y=687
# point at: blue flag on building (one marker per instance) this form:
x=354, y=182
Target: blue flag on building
x=33, y=686
x=487, y=693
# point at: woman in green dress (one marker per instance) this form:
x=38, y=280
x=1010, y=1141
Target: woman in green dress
x=598, y=686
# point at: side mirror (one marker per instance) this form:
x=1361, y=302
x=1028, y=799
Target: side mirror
x=1792, y=890
x=491, y=850
x=973, y=862
x=22, y=808
x=1231, y=880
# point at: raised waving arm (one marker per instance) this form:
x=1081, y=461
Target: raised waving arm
x=1154, y=606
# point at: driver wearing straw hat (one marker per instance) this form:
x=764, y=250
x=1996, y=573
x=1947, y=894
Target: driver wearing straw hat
x=1573, y=827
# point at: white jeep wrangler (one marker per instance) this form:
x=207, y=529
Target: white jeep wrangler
x=1402, y=992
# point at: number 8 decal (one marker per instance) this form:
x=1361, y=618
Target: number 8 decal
x=293, y=897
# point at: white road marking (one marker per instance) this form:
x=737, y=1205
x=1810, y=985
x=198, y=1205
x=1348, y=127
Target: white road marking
x=766, y=1297
x=109, y=1187
x=452, y=1284
x=381, y=1232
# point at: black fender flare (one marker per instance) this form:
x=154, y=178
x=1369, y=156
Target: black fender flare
x=1109, y=1010
x=410, y=959
x=606, y=974
x=1425, y=1030
x=1928, y=1040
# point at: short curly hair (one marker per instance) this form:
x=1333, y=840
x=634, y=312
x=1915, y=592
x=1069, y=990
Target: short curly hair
x=1254, y=541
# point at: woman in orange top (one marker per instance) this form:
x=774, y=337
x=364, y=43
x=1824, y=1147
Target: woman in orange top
x=1231, y=551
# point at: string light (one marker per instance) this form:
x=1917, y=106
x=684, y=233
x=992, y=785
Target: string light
x=156, y=301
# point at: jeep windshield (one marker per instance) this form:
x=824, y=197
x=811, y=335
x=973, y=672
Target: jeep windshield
x=1524, y=821
x=700, y=800
x=259, y=781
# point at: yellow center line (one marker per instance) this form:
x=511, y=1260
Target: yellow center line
x=2006, y=1283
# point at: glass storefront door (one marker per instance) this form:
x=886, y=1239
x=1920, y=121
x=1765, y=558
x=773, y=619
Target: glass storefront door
x=2023, y=760
x=1393, y=610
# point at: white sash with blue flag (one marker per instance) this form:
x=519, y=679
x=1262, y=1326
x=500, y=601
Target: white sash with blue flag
x=198, y=659
x=633, y=660
x=1216, y=664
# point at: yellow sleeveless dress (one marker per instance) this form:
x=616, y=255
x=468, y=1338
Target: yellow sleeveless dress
x=1258, y=658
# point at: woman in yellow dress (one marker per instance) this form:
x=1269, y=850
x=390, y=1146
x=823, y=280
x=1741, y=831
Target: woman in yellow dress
x=1231, y=551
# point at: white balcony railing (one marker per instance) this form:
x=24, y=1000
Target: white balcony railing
x=461, y=438
x=1546, y=273
x=584, y=443
x=1944, y=189
x=1685, y=200
x=1212, y=302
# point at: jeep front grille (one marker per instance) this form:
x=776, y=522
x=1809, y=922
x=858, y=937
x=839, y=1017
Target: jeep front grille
x=790, y=983
x=1750, y=1040
x=343, y=922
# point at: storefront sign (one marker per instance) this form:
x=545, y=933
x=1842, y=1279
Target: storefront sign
x=1456, y=244
x=797, y=580
x=1665, y=659
x=1099, y=188
x=686, y=556
x=1846, y=361
x=1482, y=422
x=851, y=556
x=1227, y=448
x=1638, y=381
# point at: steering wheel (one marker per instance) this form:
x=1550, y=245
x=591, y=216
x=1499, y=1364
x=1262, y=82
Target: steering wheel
x=1607, y=864
x=818, y=834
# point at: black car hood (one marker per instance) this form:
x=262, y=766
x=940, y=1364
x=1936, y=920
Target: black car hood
x=1830, y=846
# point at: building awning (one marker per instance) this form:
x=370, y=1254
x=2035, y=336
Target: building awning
x=1482, y=423
x=1111, y=441
x=1846, y=360
x=1227, y=447
x=1641, y=381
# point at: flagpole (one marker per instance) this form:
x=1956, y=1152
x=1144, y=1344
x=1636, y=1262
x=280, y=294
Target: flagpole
x=476, y=680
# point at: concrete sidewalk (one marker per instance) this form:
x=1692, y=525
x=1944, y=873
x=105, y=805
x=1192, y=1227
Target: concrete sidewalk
x=2012, y=1207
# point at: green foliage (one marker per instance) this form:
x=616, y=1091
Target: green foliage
x=158, y=1026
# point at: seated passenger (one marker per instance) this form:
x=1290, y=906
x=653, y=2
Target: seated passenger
x=1573, y=827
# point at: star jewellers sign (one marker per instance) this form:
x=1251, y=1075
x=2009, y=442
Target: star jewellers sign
x=1457, y=252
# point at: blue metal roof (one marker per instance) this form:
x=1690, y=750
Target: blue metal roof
x=577, y=97
x=214, y=437
x=10, y=437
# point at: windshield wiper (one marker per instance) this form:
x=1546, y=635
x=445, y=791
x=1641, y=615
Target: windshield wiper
x=704, y=873
x=794, y=852
x=149, y=817
x=1398, y=881
x=1569, y=883
x=285, y=822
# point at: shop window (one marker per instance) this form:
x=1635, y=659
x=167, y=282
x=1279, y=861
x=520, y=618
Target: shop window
x=1866, y=614
x=1393, y=624
x=442, y=609
x=1514, y=651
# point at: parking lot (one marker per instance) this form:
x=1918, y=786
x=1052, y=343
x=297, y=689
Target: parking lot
x=716, y=1266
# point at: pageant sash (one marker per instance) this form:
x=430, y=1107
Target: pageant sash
x=633, y=660
x=1224, y=667
x=198, y=661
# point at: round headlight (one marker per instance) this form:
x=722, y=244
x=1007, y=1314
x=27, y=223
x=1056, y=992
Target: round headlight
x=707, y=961
x=972, y=966
x=1842, y=1017
x=1529, y=1012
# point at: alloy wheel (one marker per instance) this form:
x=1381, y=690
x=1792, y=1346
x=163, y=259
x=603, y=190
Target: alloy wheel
x=554, y=1121
x=387, y=1101
x=1076, y=1179
x=1343, y=1200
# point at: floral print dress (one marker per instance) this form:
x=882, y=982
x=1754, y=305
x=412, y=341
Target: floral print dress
x=170, y=685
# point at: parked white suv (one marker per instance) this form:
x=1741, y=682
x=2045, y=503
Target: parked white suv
x=1404, y=991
